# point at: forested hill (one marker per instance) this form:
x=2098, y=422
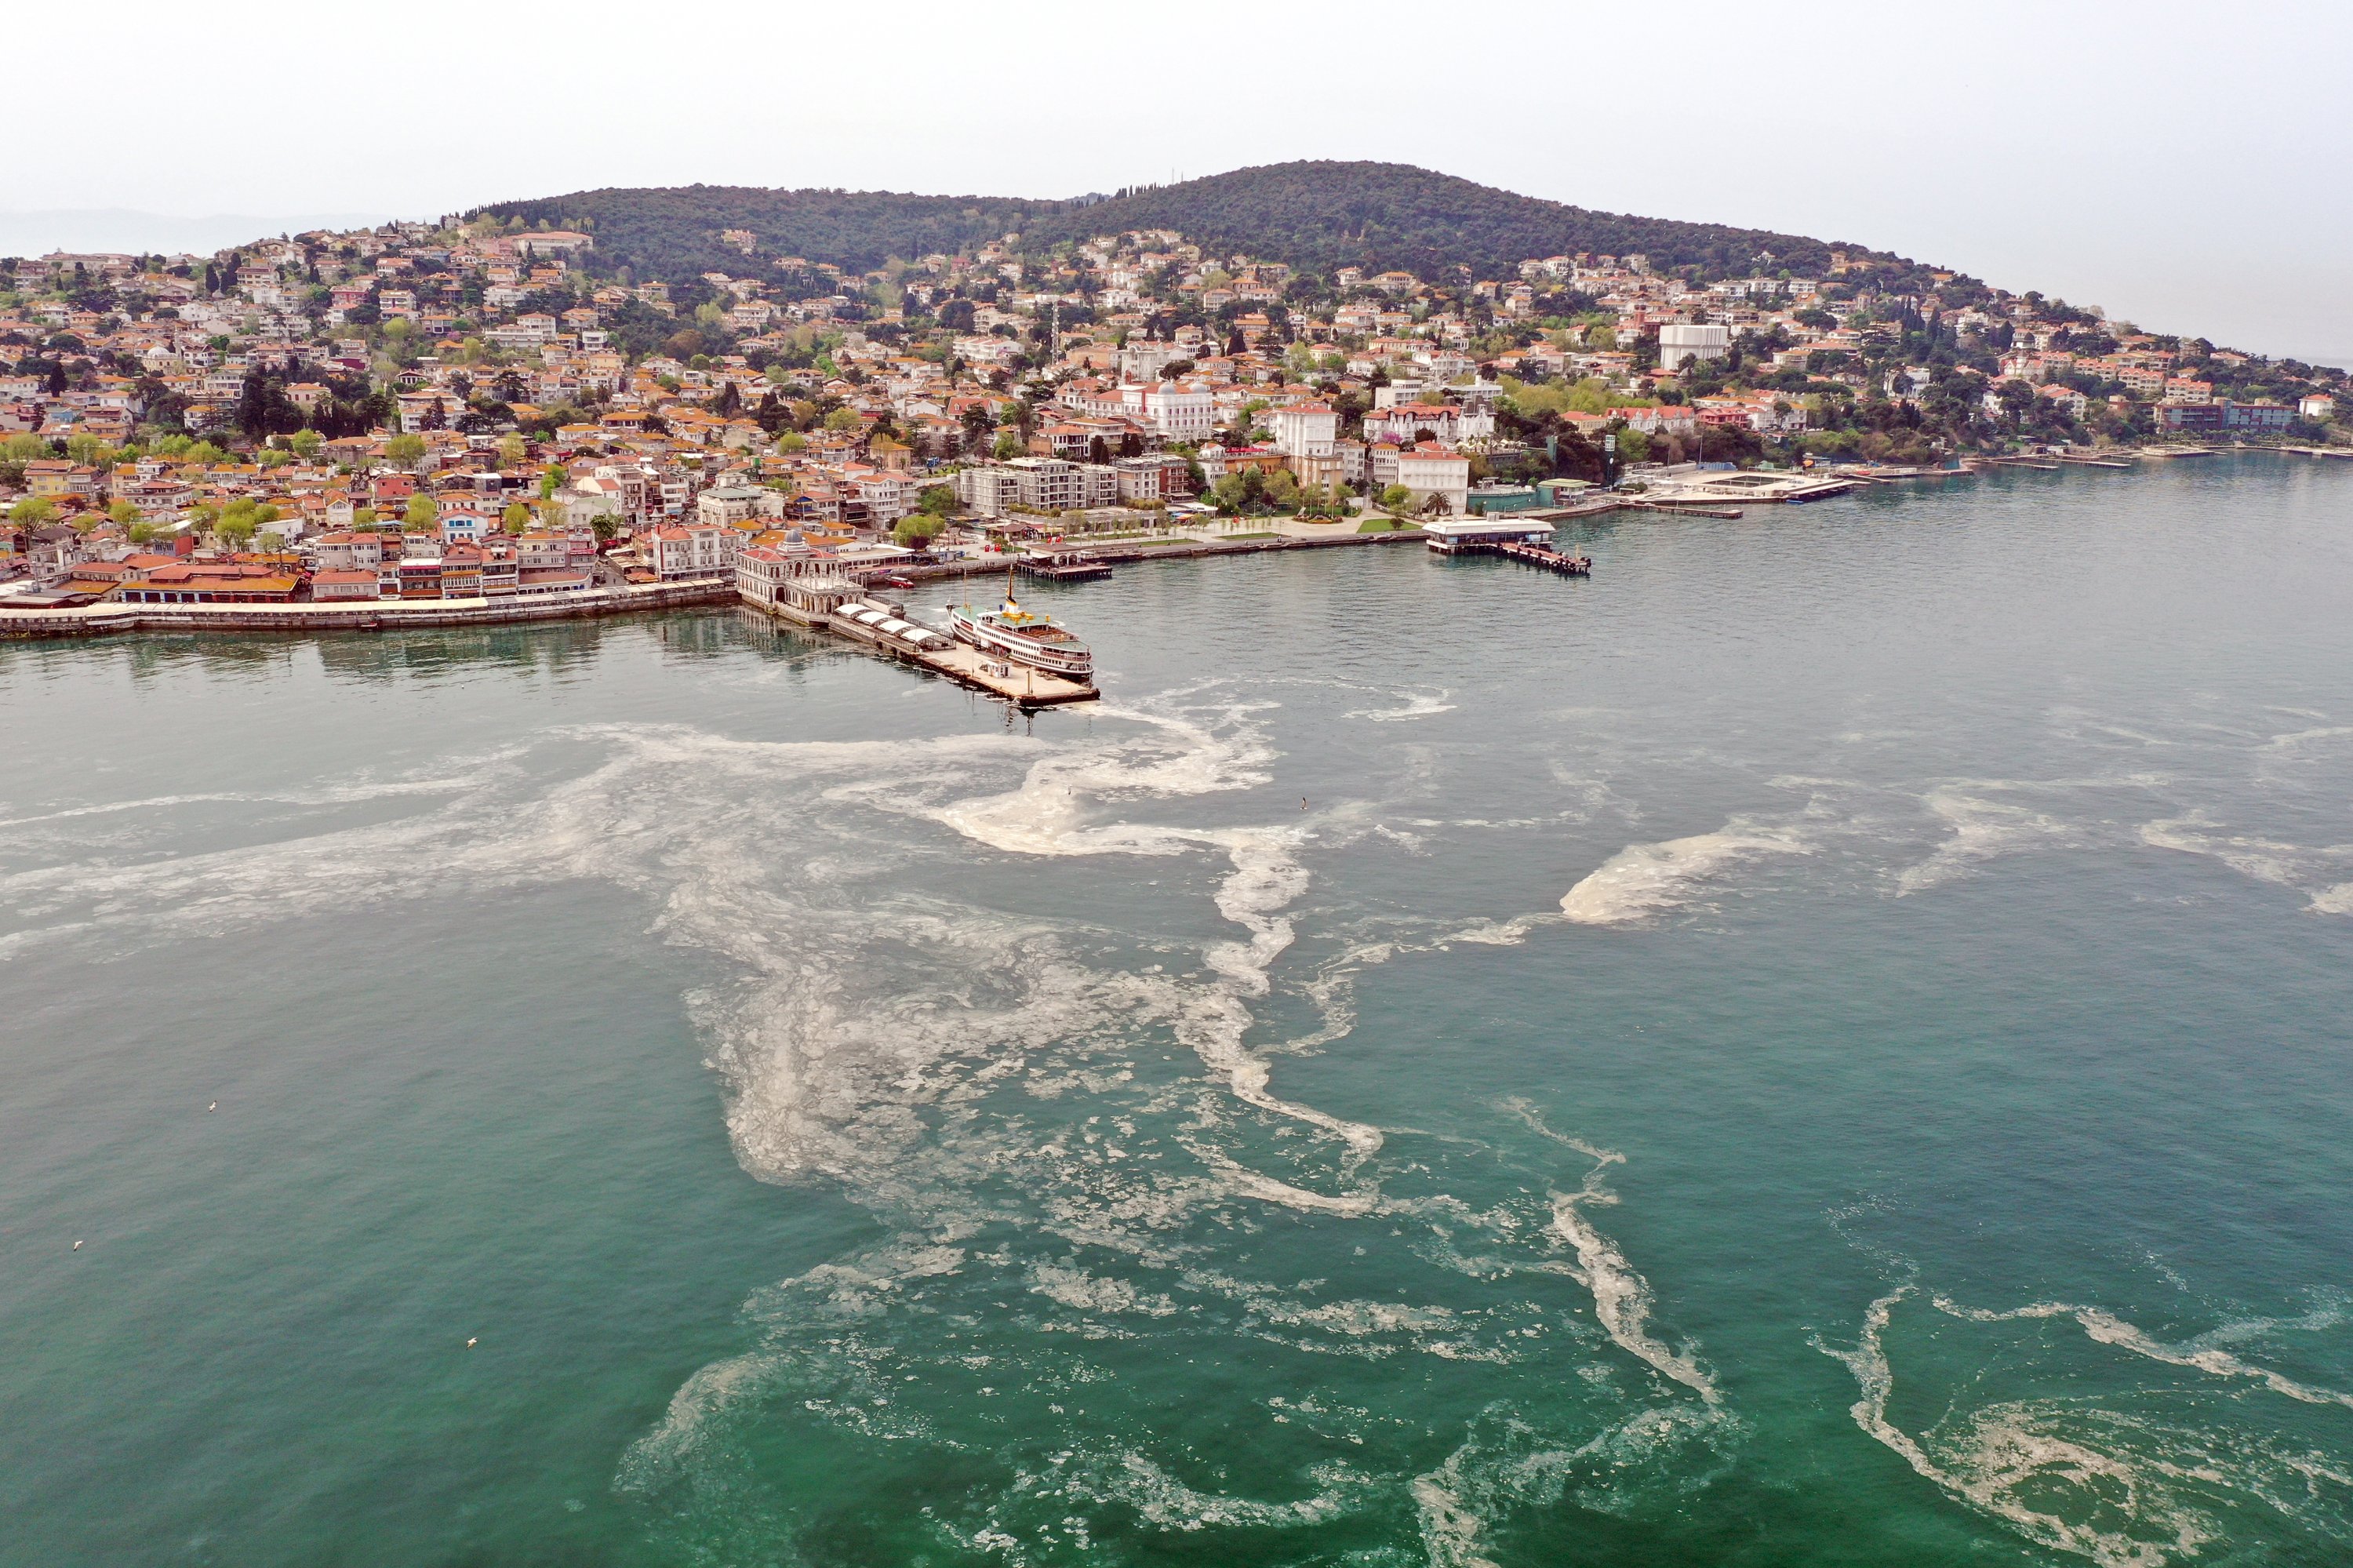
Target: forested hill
x=1319, y=216
x=1314, y=215
x=675, y=232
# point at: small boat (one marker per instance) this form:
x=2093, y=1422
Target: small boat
x=1024, y=637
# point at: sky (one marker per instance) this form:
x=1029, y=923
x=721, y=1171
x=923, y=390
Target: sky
x=2175, y=163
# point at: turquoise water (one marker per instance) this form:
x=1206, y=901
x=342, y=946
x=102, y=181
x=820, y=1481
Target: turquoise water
x=1825, y=1043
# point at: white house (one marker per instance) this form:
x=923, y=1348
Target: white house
x=1306, y=429
x=690, y=550
x=1432, y=468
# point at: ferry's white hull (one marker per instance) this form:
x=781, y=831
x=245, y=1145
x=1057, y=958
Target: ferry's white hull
x=1072, y=663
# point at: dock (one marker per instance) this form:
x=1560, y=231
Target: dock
x=1520, y=536
x=1017, y=684
x=1687, y=508
x=1067, y=566
x=1544, y=558
x=845, y=609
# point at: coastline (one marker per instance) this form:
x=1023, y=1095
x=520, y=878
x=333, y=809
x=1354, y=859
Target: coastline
x=107, y=618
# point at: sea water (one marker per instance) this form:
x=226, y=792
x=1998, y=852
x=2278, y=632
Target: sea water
x=1824, y=1043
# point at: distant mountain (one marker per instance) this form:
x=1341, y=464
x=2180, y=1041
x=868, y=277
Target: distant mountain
x=1314, y=215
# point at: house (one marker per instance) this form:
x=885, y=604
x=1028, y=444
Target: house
x=338, y=584
x=736, y=504
x=1306, y=429
x=698, y=549
x=1435, y=471
x=1672, y=418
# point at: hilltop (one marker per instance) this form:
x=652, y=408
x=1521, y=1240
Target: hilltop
x=1312, y=215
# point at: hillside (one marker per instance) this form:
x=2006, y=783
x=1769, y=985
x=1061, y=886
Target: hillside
x=1314, y=215
x=1318, y=215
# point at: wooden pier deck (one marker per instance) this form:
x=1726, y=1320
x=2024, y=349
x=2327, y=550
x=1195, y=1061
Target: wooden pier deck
x=1546, y=558
x=1063, y=568
x=1017, y=684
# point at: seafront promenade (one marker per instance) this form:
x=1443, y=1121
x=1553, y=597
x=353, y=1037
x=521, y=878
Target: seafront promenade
x=105, y=619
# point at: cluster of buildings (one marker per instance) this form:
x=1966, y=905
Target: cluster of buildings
x=484, y=410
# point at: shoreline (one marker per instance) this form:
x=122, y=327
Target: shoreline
x=111, y=619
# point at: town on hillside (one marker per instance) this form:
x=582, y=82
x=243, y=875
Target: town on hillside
x=479, y=410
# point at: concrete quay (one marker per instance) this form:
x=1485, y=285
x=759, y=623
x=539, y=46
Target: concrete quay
x=105, y=619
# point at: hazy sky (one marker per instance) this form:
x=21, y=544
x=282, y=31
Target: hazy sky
x=2177, y=164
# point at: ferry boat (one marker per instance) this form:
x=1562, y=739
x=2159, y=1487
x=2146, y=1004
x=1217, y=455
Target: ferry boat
x=1024, y=637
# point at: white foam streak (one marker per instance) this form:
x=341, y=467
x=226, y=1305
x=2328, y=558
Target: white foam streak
x=2311, y=871
x=1643, y=880
x=1622, y=1297
x=1054, y=812
x=1997, y=1461
x=1417, y=704
x=1981, y=831
x=2105, y=1327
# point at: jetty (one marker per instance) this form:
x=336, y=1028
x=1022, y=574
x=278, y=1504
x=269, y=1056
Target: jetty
x=847, y=609
x=108, y=617
x=1520, y=536
x=1547, y=559
x=1062, y=566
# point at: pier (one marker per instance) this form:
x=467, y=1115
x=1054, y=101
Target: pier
x=1520, y=536
x=845, y=609
x=1544, y=558
x=1063, y=567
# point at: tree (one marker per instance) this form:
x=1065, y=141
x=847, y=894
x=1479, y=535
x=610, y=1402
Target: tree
x=404, y=450
x=305, y=443
x=364, y=517
x=513, y=452
x=235, y=528
x=939, y=500
x=143, y=532
x=1008, y=445
x=604, y=525
x=516, y=517
x=918, y=528
x=421, y=514
x=844, y=421
x=123, y=512
x=1396, y=498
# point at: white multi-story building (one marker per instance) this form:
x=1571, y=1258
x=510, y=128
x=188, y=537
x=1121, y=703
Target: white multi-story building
x=1047, y=484
x=990, y=490
x=735, y=504
x=1098, y=484
x=691, y=550
x=1139, y=477
x=1306, y=429
x=1143, y=361
x=1181, y=413
x=1040, y=484
x=1431, y=469
x=1680, y=344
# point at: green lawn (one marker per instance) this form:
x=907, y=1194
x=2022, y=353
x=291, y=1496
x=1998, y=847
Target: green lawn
x=1382, y=526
